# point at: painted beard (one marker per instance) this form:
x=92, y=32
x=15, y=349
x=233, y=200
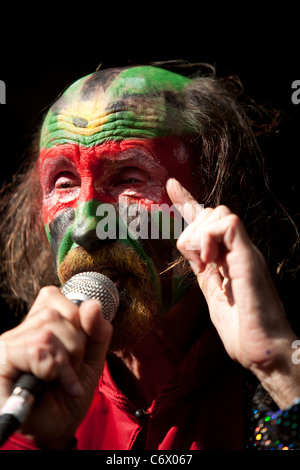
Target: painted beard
x=139, y=307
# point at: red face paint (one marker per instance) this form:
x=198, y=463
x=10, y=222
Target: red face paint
x=135, y=168
x=114, y=137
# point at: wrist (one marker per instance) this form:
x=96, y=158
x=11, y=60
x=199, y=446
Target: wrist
x=279, y=375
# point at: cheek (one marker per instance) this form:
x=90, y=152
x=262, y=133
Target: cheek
x=58, y=204
x=59, y=232
x=154, y=194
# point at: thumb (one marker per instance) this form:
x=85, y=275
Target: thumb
x=208, y=275
x=97, y=330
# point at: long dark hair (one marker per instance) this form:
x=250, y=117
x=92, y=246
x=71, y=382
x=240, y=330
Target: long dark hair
x=225, y=126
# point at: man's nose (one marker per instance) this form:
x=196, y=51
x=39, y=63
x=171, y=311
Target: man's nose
x=84, y=227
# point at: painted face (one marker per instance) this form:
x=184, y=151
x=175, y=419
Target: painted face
x=108, y=146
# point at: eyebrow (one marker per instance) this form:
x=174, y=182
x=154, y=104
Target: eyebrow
x=51, y=165
x=133, y=157
x=137, y=156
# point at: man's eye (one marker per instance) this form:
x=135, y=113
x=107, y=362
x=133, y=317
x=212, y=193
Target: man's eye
x=131, y=176
x=129, y=181
x=66, y=180
x=63, y=184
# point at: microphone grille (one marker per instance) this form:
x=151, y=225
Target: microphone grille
x=93, y=285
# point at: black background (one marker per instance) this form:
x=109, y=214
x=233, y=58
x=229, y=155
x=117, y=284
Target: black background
x=264, y=57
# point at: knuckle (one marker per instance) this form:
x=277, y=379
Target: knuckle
x=219, y=212
x=207, y=236
x=207, y=210
x=72, y=312
x=234, y=221
x=182, y=243
x=204, y=214
x=48, y=291
x=42, y=339
x=222, y=209
x=61, y=359
x=47, y=368
x=234, y=226
x=179, y=243
x=48, y=315
x=45, y=355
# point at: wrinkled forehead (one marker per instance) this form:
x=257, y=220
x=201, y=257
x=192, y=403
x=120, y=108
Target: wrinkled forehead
x=117, y=104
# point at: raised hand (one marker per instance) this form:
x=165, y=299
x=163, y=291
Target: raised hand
x=241, y=297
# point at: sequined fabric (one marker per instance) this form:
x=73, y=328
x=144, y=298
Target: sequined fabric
x=277, y=430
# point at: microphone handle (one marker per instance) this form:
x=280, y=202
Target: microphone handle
x=19, y=404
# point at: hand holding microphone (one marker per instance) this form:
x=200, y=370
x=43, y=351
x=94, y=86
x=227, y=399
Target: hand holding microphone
x=62, y=344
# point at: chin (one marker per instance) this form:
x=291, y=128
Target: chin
x=137, y=315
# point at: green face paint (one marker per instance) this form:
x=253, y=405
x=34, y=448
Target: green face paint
x=102, y=119
x=88, y=220
x=138, y=102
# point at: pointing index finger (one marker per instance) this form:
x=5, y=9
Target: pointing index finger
x=184, y=202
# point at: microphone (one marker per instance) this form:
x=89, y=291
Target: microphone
x=93, y=285
x=81, y=287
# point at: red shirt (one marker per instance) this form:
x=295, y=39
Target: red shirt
x=201, y=407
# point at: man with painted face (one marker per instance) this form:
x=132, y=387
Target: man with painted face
x=169, y=372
